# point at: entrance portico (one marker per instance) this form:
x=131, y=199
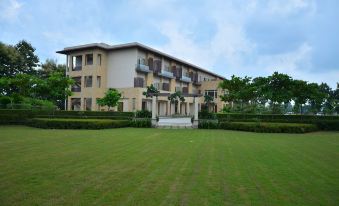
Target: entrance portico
x=161, y=107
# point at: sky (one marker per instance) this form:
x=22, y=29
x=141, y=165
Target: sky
x=240, y=37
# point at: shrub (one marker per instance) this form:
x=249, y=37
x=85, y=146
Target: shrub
x=269, y=127
x=141, y=122
x=208, y=124
x=4, y=100
x=14, y=116
x=328, y=125
x=77, y=123
x=143, y=114
x=204, y=114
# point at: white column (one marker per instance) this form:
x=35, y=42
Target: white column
x=179, y=107
x=154, y=111
x=196, y=109
x=154, y=107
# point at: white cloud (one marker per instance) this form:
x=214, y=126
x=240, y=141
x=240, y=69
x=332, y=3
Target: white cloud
x=287, y=7
x=10, y=10
x=289, y=62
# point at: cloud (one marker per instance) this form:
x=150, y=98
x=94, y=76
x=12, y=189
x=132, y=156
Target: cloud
x=10, y=10
x=288, y=7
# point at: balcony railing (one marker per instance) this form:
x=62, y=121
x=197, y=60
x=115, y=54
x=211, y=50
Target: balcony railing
x=186, y=79
x=142, y=68
x=77, y=68
x=165, y=73
x=162, y=86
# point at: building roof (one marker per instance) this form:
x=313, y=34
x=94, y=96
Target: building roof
x=107, y=47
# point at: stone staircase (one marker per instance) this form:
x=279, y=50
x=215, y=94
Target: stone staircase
x=174, y=123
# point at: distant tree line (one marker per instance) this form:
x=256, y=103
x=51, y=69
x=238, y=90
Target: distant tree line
x=24, y=81
x=276, y=94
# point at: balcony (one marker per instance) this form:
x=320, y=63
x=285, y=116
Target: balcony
x=162, y=86
x=77, y=68
x=165, y=73
x=186, y=79
x=139, y=82
x=142, y=68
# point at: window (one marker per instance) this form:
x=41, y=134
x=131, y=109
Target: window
x=99, y=59
x=88, y=104
x=76, y=63
x=89, y=59
x=142, y=61
x=212, y=93
x=75, y=104
x=98, y=81
x=76, y=87
x=88, y=81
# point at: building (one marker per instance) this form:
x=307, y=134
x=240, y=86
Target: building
x=130, y=68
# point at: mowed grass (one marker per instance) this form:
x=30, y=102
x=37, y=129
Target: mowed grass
x=131, y=166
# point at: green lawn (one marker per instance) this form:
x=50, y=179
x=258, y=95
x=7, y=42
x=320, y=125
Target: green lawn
x=132, y=166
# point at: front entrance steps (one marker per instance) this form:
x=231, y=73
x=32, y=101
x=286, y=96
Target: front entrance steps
x=175, y=122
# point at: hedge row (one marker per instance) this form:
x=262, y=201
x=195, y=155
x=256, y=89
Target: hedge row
x=58, y=123
x=141, y=122
x=274, y=118
x=20, y=116
x=267, y=127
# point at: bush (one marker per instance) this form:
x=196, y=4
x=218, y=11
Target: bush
x=235, y=117
x=208, y=124
x=4, y=100
x=204, y=114
x=14, y=116
x=77, y=123
x=269, y=127
x=143, y=114
x=142, y=122
x=328, y=125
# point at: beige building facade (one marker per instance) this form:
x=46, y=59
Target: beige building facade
x=130, y=68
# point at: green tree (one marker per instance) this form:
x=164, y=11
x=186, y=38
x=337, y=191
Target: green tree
x=237, y=91
x=18, y=59
x=300, y=94
x=111, y=98
x=279, y=90
x=29, y=61
x=151, y=91
x=175, y=97
x=51, y=66
x=209, y=100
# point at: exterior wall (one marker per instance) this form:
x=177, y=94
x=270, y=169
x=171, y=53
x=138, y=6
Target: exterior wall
x=212, y=85
x=121, y=68
x=94, y=70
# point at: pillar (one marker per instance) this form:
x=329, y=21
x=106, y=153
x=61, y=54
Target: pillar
x=196, y=109
x=179, y=107
x=154, y=112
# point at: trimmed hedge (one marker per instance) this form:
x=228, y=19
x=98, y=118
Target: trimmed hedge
x=57, y=123
x=269, y=127
x=21, y=116
x=141, y=122
x=234, y=117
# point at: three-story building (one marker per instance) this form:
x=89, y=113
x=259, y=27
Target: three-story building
x=130, y=68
